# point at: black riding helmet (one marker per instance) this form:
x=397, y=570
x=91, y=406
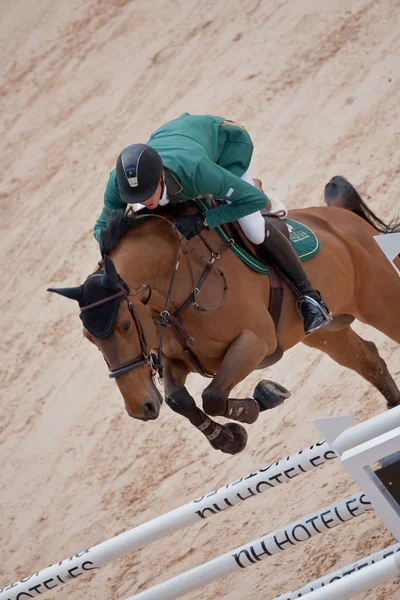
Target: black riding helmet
x=138, y=170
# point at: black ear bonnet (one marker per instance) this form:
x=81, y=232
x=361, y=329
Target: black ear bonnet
x=100, y=320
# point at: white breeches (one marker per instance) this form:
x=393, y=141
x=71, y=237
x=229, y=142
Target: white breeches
x=253, y=225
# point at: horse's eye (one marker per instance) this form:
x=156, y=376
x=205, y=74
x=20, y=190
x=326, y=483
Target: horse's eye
x=126, y=326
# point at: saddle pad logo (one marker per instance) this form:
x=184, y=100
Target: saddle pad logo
x=298, y=236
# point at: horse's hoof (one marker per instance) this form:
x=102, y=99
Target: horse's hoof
x=226, y=444
x=270, y=394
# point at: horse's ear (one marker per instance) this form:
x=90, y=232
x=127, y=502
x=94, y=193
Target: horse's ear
x=74, y=293
x=110, y=279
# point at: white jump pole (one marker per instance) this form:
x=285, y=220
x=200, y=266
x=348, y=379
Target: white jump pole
x=367, y=430
x=340, y=573
x=360, y=581
x=200, y=509
x=255, y=551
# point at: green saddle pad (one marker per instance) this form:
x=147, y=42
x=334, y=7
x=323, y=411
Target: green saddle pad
x=302, y=238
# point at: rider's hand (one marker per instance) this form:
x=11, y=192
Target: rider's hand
x=190, y=225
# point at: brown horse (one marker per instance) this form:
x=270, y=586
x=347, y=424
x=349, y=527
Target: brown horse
x=145, y=296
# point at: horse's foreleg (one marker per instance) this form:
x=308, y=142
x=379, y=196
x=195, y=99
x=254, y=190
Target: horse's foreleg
x=230, y=438
x=350, y=350
x=243, y=356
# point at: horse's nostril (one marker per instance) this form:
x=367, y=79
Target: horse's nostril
x=150, y=410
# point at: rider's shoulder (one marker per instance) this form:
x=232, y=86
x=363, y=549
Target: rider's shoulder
x=111, y=193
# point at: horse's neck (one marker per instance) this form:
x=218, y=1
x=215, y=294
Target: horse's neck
x=150, y=259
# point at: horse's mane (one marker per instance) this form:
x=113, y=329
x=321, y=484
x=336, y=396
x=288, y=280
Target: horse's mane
x=119, y=222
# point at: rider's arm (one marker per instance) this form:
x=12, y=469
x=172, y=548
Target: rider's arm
x=112, y=201
x=243, y=198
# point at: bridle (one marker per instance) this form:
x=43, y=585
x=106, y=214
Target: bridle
x=167, y=318
x=146, y=357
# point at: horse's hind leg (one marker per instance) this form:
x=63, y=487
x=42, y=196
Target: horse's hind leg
x=378, y=293
x=350, y=350
x=382, y=311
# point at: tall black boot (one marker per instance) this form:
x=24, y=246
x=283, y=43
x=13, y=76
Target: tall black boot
x=276, y=249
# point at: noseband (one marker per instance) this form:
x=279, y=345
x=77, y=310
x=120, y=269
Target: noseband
x=145, y=358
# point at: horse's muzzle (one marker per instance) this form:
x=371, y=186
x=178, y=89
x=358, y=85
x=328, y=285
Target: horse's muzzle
x=149, y=409
x=148, y=412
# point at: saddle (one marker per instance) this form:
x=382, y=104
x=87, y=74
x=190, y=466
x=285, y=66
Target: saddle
x=235, y=232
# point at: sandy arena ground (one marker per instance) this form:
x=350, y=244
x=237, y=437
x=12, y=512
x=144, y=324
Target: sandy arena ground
x=317, y=84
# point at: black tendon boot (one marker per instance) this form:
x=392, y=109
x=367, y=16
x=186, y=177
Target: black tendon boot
x=276, y=249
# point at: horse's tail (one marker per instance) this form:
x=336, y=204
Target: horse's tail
x=340, y=192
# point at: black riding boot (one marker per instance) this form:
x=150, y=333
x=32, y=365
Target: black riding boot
x=276, y=249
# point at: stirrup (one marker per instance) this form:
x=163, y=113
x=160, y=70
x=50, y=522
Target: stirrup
x=321, y=306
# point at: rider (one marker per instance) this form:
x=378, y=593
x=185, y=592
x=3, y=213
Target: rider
x=197, y=155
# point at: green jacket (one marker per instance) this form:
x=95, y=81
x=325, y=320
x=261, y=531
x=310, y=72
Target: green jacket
x=206, y=155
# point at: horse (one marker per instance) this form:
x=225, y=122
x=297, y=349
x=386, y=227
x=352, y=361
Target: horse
x=157, y=304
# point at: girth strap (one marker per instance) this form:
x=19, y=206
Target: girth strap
x=184, y=339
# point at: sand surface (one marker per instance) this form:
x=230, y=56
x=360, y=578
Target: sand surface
x=317, y=84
